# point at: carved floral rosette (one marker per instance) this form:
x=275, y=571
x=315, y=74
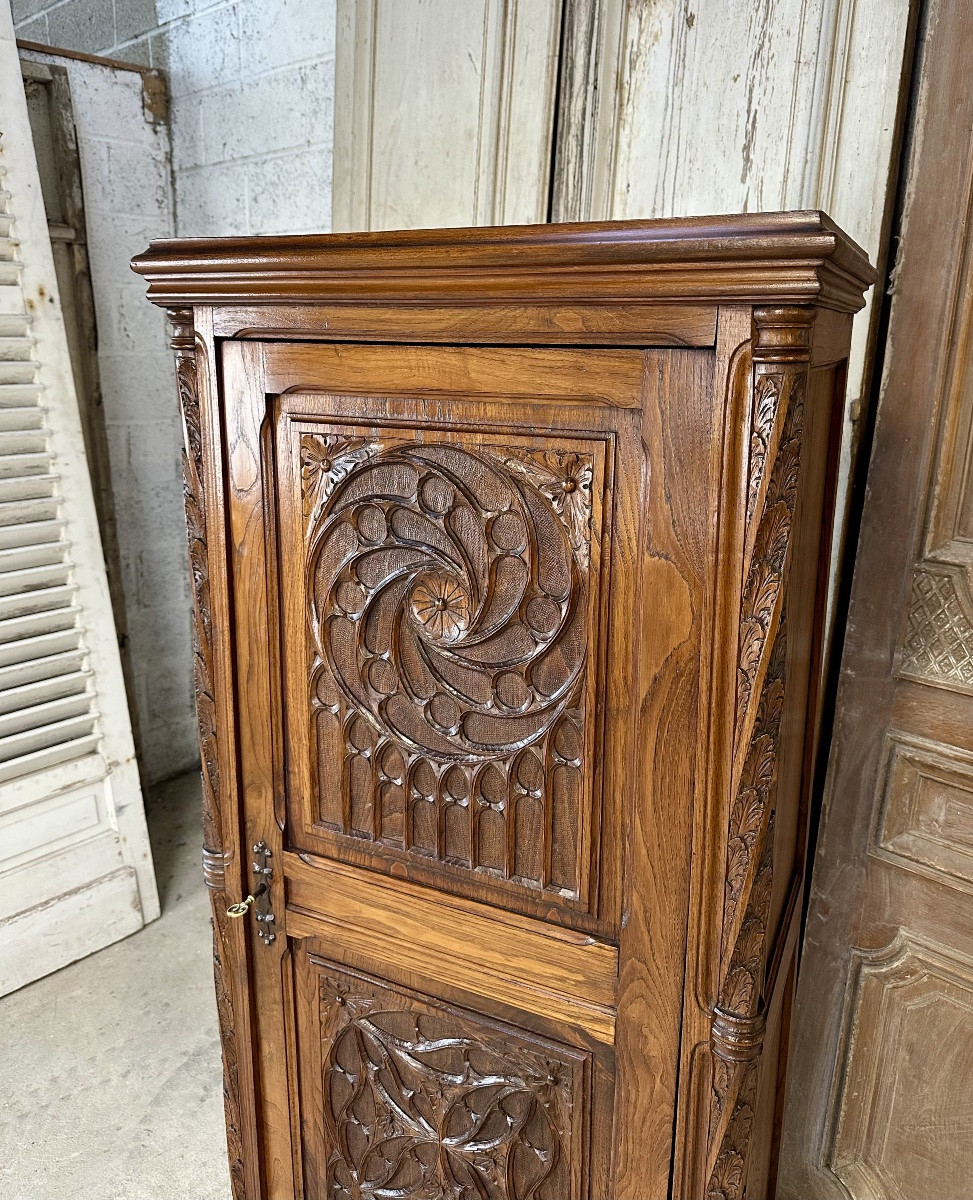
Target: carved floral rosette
x=448, y=608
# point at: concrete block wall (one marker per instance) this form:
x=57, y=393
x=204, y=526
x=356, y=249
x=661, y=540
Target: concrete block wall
x=252, y=99
x=251, y=123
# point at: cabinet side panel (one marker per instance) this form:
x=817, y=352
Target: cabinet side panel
x=805, y=606
x=789, y=479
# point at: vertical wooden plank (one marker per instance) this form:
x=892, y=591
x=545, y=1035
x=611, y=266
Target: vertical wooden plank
x=249, y=505
x=677, y=566
x=495, y=63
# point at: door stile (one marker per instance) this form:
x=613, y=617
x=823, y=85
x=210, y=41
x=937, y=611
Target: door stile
x=250, y=551
x=675, y=563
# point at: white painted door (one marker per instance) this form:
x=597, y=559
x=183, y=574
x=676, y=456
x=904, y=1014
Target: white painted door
x=75, y=862
x=444, y=112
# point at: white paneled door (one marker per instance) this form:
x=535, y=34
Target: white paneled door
x=444, y=112
x=75, y=863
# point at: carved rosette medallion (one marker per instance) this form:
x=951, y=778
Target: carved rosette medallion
x=448, y=612
x=422, y=1101
x=565, y=479
x=187, y=352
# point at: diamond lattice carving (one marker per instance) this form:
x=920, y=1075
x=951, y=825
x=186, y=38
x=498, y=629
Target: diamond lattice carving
x=938, y=643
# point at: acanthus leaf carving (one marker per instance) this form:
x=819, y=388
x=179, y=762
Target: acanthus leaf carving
x=326, y=459
x=187, y=379
x=765, y=577
x=729, y=1178
x=565, y=478
x=781, y=352
x=767, y=393
x=755, y=792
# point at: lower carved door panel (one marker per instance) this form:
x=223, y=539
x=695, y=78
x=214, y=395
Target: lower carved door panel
x=434, y=580
x=406, y=1095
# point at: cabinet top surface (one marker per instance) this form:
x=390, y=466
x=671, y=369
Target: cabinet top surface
x=756, y=258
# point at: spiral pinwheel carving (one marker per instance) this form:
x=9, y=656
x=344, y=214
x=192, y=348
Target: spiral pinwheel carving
x=447, y=600
x=448, y=613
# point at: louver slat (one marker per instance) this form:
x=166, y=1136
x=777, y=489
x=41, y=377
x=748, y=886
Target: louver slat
x=47, y=704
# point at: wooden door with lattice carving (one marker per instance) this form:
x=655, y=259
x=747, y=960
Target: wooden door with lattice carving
x=879, y=1103
x=441, y=542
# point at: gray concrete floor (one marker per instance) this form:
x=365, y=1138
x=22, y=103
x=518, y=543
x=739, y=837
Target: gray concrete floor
x=110, y=1074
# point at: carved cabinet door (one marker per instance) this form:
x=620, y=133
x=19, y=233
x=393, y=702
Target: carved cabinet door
x=433, y=583
x=879, y=1103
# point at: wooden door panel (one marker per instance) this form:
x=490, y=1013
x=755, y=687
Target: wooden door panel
x=444, y=537
x=445, y=621
x=403, y=1092
x=448, y=681
x=878, y=1103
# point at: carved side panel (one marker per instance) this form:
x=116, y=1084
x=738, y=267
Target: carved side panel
x=420, y=1099
x=450, y=598
x=773, y=475
x=187, y=379
x=186, y=350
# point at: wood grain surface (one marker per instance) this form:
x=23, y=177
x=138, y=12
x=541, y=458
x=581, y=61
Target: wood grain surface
x=514, y=554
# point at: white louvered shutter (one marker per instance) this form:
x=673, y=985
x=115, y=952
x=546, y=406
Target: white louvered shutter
x=75, y=865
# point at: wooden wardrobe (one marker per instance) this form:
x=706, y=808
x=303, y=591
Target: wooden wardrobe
x=510, y=551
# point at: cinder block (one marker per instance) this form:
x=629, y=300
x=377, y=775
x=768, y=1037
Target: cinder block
x=20, y=10
x=159, y=50
x=137, y=387
x=126, y=179
x=123, y=481
x=172, y=10
x=87, y=25
x=204, y=50
x=107, y=104
x=155, y=456
x=286, y=32
x=129, y=324
x=134, y=18
x=290, y=108
x=187, y=130
x=113, y=238
x=212, y=200
x=33, y=30
x=136, y=51
x=157, y=586
x=291, y=193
